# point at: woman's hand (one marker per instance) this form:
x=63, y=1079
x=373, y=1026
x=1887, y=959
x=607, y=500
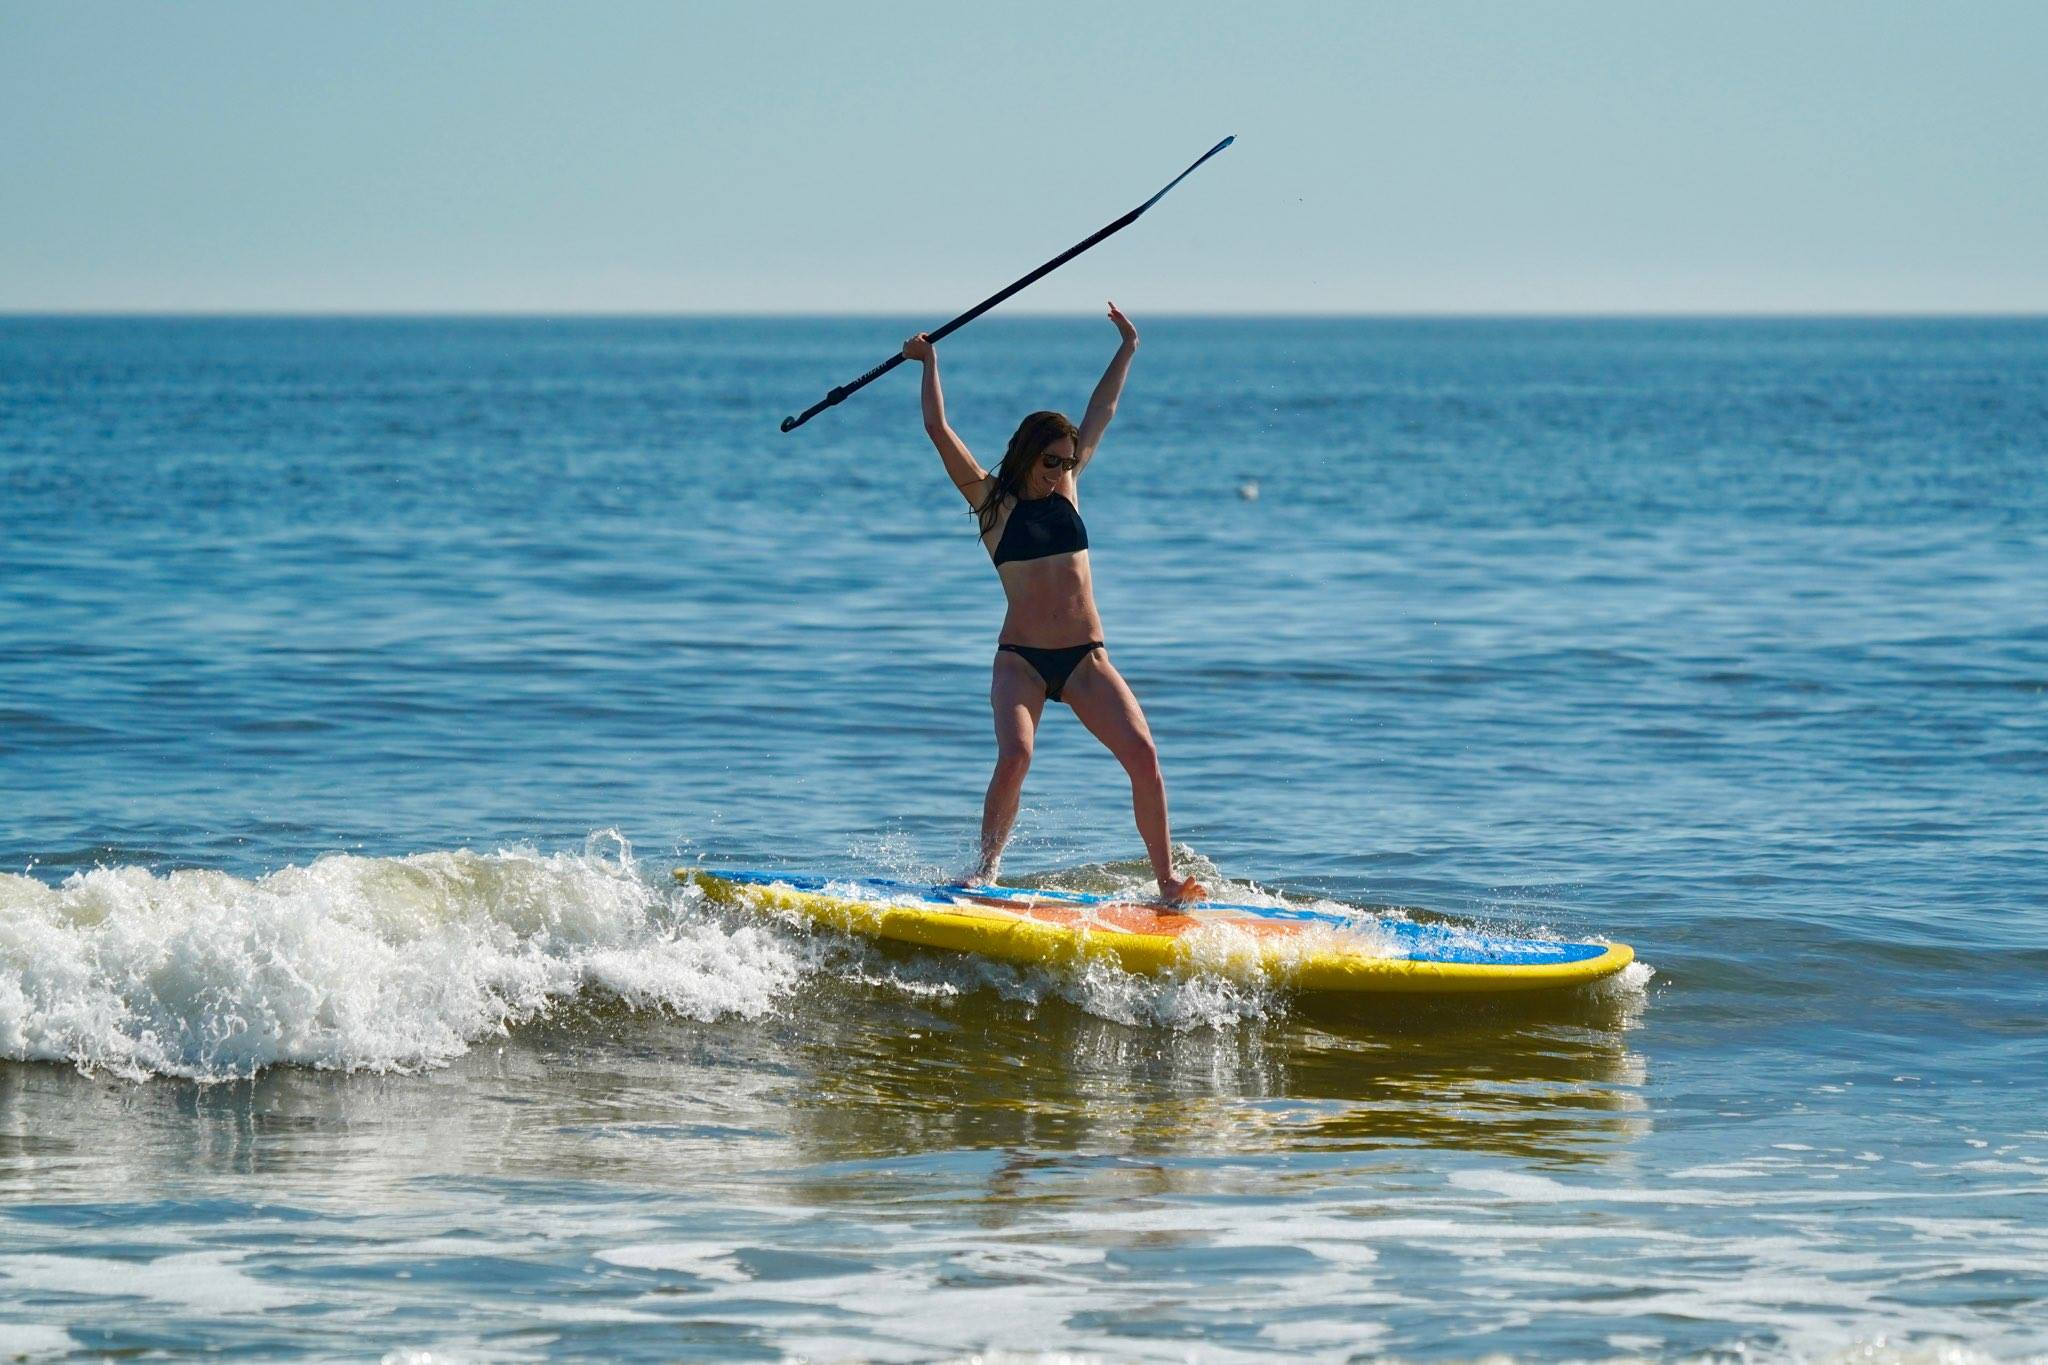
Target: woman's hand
x=918, y=348
x=1123, y=324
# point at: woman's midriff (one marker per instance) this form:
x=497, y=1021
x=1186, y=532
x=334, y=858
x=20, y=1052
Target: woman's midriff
x=1052, y=602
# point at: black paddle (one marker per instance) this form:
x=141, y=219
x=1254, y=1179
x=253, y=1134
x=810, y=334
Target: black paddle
x=838, y=395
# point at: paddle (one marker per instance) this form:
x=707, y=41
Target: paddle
x=839, y=394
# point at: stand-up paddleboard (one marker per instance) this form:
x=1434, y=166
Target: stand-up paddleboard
x=1293, y=947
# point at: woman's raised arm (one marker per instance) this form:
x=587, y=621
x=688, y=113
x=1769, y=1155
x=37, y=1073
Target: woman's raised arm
x=961, y=466
x=1102, y=404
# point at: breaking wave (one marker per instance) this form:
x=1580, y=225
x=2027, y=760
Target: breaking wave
x=356, y=963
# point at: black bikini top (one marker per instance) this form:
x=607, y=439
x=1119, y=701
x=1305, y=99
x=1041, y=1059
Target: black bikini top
x=1043, y=526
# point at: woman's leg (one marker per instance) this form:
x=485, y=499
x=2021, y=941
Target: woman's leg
x=1103, y=701
x=1017, y=694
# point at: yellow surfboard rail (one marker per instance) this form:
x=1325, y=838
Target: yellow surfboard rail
x=1325, y=962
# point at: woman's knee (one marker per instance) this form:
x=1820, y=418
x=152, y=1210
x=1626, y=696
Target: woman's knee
x=1139, y=755
x=1013, y=760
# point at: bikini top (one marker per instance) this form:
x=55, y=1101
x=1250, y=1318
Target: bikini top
x=1042, y=526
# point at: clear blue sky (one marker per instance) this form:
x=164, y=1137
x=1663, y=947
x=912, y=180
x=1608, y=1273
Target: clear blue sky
x=911, y=157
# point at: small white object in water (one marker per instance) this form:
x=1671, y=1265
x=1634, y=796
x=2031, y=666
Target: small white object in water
x=1249, y=490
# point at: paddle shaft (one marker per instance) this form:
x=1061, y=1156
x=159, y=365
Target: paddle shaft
x=840, y=393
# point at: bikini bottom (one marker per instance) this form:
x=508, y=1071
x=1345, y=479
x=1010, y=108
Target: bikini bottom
x=1053, y=665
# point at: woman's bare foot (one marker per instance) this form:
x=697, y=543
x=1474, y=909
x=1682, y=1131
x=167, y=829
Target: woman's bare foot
x=1174, y=890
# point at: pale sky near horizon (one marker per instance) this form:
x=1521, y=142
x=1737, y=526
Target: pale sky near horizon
x=911, y=158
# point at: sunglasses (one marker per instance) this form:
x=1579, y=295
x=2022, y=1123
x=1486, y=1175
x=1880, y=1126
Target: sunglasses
x=1055, y=462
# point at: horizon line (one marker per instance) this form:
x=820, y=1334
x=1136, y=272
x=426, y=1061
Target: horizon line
x=535, y=314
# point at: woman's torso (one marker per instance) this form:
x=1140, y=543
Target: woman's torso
x=1051, y=596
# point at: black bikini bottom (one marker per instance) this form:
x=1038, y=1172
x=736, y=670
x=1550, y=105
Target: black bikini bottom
x=1053, y=665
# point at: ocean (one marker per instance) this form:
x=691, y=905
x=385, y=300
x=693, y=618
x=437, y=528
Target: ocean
x=362, y=681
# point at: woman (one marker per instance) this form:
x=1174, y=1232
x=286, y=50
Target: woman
x=1051, y=644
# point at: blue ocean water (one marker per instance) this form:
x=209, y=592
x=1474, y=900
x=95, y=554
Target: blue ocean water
x=361, y=680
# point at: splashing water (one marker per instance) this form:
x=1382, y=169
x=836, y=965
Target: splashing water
x=355, y=963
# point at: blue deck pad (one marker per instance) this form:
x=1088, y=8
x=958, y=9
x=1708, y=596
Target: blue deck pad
x=1414, y=942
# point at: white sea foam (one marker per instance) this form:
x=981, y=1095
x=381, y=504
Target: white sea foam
x=1181, y=1000
x=210, y=1282
x=705, y=1260
x=31, y=1341
x=356, y=963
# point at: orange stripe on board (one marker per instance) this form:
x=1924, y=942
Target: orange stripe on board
x=1130, y=917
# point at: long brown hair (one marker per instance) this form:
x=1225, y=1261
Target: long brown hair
x=1034, y=434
